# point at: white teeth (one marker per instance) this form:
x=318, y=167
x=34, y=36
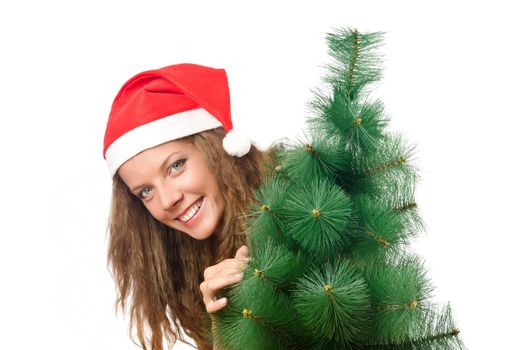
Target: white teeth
x=192, y=210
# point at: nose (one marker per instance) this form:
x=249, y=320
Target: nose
x=169, y=196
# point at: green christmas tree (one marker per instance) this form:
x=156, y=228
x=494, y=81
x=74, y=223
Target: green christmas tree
x=329, y=229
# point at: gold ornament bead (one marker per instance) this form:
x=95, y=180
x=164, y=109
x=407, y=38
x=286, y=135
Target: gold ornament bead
x=316, y=213
x=357, y=121
x=259, y=273
x=308, y=148
x=413, y=304
x=383, y=242
x=247, y=313
x=264, y=207
x=328, y=289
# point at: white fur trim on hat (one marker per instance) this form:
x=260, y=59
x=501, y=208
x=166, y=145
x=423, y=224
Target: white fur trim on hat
x=157, y=132
x=236, y=144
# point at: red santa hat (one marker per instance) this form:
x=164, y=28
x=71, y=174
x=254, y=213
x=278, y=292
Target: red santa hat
x=161, y=105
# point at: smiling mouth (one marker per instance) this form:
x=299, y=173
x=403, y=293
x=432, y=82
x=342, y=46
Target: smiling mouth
x=191, y=212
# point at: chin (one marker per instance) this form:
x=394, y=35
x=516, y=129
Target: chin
x=198, y=235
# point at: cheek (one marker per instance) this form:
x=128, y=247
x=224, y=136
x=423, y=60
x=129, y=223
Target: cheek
x=155, y=210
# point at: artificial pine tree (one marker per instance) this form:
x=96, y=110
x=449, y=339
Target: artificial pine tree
x=329, y=229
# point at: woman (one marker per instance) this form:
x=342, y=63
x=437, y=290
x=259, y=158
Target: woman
x=177, y=223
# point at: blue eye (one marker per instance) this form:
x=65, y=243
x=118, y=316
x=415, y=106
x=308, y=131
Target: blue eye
x=177, y=165
x=145, y=192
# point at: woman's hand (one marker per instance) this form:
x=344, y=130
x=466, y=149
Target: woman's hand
x=221, y=275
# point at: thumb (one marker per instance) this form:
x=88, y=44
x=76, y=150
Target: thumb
x=242, y=254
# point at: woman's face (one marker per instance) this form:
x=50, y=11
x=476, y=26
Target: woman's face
x=176, y=187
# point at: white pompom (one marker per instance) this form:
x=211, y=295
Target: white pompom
x=236, y=143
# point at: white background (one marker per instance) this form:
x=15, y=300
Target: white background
x=455, y=84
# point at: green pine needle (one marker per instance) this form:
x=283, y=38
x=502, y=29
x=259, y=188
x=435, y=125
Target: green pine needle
x=360, y=124
x=316, y=157
x=265, y=211
x=333, y=303
x=319, y=217
x=381, y=230
x=258, y=316
x=394, y=155
x=357, y=61
x=400, y=197
x=384, y=171
x=436, y=332
x=275, y=264
x=233, y=331
x=270, y=196
x=400, y=292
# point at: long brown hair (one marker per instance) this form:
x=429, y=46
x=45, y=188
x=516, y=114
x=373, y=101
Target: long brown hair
x=158, y=269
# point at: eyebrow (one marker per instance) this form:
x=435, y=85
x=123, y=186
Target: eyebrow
x=163, y=165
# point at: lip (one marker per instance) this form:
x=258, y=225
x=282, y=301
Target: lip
x=186, y=209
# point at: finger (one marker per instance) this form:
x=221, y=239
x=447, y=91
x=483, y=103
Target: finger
x=242, y=254
x=224, y=265
x=209, y=271
x=211, y=287
x=215, y=305
x=227, y=268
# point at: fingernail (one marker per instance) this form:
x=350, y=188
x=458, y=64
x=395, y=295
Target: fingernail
x=239, y=275
x=222, y=301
